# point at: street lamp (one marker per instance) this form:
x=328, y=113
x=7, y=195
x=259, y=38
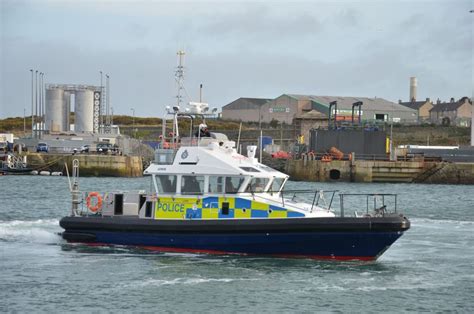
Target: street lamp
x=36, y=101
x=101, y=106
x=32, y=103
x=41, y=103
x=107, y=105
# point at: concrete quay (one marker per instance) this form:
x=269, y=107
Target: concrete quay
x=89, y=164
x=381, y=171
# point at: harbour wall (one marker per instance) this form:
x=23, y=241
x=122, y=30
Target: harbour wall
x=89, y=164
x=380, y=171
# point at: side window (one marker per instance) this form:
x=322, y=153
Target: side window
x=192, y=184
x=166, y=184
x=216, y=184
x=257, y=185
x=232, y=184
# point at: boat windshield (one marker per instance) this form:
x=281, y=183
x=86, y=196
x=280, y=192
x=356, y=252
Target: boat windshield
x=257, y=185
x=232, y=184
x=277, y=184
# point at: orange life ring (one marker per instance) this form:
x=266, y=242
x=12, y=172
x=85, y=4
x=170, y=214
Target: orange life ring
x=98, y=204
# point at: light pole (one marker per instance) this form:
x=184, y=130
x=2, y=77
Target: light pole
x=133, y=121
x=43, y=102
x=32, y=103
x=41, y=112
x=101, y=106
x=107, y=107
x=36, y=99
x=472, y=110
x=24, y=120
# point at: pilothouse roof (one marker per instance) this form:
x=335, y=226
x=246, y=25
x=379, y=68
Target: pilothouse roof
x=214, y=159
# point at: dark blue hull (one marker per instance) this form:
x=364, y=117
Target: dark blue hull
x=327, y=245
x=333, y=238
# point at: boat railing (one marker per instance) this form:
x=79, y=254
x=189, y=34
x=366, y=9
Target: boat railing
x=377, y=204
x=318, y=197
x=292, y=196
x=83, y=203
x=92, y=203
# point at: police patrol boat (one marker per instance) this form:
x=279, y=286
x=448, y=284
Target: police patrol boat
x=208, y=198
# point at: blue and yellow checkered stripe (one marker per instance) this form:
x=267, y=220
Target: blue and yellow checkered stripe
x=211, y=208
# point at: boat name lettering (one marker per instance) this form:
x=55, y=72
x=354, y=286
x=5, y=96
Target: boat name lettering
x=171, y=207
x=161, y=169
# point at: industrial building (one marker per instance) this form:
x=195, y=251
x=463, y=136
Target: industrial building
x=244, y=109
x=75, y=115
x=287, y=107
x=423, y=108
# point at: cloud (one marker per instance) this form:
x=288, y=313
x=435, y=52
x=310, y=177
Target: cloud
x=237, y=50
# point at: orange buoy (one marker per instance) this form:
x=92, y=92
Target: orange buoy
x=98, y=203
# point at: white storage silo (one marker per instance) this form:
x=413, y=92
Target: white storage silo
x=84, y=109
x=54, y=113
x=66, y=110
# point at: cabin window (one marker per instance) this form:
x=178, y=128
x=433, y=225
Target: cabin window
x=192, y=184
x=166, y=183
x=276, y=184
x=216, y=184
x=266, y=168
x=257, y=185
x=249, y=169
x=232, y=184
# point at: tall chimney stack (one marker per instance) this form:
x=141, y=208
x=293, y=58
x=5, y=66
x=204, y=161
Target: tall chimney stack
x=413, y=84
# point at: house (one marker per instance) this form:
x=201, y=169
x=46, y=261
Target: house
x=423, y=108
x=452, y=112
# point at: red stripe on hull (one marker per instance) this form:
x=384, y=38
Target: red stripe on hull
x=215, y=252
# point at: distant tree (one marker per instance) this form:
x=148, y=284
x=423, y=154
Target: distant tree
x=274, y=123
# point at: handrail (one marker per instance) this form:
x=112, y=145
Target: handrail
x=378, y=210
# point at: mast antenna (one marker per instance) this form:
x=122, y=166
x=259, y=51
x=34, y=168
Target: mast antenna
x=179, y=75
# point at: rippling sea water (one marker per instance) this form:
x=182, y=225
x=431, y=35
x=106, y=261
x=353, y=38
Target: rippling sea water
x=431, y=268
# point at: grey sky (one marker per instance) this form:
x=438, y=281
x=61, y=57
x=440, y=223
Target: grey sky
x=237, y=49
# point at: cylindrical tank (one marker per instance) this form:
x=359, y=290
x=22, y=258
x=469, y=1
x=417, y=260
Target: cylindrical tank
x=84, y=109
x=66, y=110
x=413, y=84
x=54, y=110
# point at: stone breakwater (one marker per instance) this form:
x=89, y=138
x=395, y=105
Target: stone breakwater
x=380, y=171
x=90, y=164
